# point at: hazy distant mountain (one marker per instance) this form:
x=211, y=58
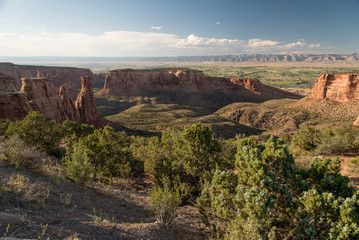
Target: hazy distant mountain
x=250, y=58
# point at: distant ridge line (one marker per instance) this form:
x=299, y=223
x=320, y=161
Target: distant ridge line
x=241, y=58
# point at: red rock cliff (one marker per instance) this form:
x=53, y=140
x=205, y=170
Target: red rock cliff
x=71, y=113
x=337, y=87
x=86, y=104
x=13, y=104
x=136, y=82
x=43, y=97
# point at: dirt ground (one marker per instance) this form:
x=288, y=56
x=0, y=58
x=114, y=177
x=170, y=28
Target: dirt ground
x=48, y=208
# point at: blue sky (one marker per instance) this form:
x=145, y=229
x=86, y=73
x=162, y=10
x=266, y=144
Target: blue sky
x=119, y=28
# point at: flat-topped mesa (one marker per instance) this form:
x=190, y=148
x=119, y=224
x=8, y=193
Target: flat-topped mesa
x=337, y=87
x=7, y=83
x=86, y=104
x=130, y=82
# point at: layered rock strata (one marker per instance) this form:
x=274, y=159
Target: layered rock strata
x=44, y=98
x=70, y=111
x=13, y=104
x=86, y=104
x=337, y=87
x=138, y=82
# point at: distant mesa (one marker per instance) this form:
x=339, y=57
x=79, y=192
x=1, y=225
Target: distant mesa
x=131, y=82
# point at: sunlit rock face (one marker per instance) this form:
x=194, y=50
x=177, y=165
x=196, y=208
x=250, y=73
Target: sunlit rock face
x=86, y=104
x=130, y=82
x=337, y=87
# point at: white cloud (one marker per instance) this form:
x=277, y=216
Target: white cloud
x=195, y=41
x=127, y=43
x=269, y=46
x=156, y=27
x=259, y=43
x=217, y=23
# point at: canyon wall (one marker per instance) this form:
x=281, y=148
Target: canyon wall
x=40, y=94
x=65, y=76
x=44, y=98
x=130, y=82
x=13, y=104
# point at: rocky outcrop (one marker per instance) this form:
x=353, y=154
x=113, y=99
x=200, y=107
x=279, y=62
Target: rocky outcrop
x=63, y=79
x=44, y=98
x=13, y=105
x=40, y=94
x=337, y=87
x=70, y=111
x=58, y=75
x=86, y=104
x=141, y=82
x=7, y=83
x=264, y=91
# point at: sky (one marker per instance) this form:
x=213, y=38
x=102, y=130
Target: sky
x=154, y=28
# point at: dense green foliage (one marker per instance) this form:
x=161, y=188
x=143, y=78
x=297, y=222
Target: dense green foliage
x=266, y=197
x=36, y=130
x=244, y=189
x=326, y=141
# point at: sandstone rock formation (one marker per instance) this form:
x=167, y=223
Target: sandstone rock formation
x=40, y=94
x=86, y=104
x=337, y=87
x=70, y=110
x=59, y=75
x=13, y=104
x=141, y=82
x=44, y=98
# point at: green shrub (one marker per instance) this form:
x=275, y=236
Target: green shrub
x=16, y=152
x=337, y=144
x=36, y=130
x=108, y=153
x=165, y=201
x=266, y=197
x=307, y=138
x=77, y=164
